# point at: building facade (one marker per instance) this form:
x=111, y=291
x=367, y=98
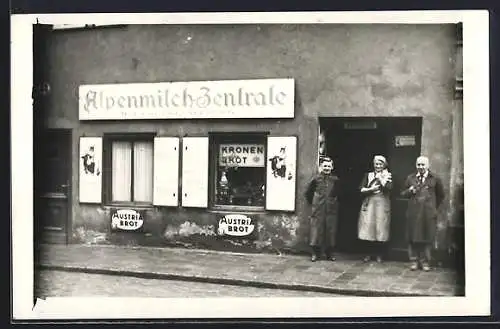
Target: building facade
x=208, y=135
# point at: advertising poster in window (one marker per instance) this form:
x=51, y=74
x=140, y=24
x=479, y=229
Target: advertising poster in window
x=90, y=159
x=241, y=174
x=241, y=155
x=281, y=171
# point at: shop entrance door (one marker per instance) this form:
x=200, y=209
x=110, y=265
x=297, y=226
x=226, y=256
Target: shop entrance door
x=52, y=185
x=352, y=143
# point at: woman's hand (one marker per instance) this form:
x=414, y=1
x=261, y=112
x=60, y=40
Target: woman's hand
x=385, y=177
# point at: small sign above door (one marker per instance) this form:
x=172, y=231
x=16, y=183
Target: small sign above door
x=355, y=125
x=400, y=141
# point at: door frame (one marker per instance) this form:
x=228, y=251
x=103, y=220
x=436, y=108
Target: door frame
x=69, y=219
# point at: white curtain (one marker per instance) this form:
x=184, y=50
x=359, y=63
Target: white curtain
x=121, y=171
x=143, y=171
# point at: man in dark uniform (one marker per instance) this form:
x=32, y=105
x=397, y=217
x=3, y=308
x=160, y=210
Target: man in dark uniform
x=322, y=194
x=426, y=193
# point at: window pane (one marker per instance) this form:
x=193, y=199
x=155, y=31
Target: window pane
x=143, y=171
x=121, y=171
x=240, y=174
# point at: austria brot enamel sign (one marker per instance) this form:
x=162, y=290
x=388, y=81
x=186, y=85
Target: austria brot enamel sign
x=235, y=225
x=126, y=220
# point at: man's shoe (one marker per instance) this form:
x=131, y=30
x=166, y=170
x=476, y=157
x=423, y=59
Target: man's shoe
x=414, y=266
x=426, y=267
x=367, y=259
x=331, y=258
x=314, y=258
x=379, y=259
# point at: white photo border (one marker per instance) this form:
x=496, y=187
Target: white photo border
x=476, y=173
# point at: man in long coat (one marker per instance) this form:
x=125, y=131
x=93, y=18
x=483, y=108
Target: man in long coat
x=426, y=193
x=322, y=194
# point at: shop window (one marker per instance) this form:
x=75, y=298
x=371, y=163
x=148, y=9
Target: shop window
x=239, y=170
x=130, y=170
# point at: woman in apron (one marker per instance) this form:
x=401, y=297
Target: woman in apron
x=375, y=214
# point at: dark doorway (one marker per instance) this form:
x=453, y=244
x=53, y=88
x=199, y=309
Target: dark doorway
x=51, y=153
x=352, y=143
x=52, y=185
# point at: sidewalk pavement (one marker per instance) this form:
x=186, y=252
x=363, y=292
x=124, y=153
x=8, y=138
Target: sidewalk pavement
x=349, y=277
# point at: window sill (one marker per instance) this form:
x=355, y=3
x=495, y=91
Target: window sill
x=237, y=209
x=127, y=206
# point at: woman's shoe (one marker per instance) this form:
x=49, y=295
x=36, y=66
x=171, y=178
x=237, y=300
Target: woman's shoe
x=414, y=266
x=367, y=259
x=314, y=258
x=379, y=259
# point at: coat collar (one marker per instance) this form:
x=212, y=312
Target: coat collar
x=426, y=175
x=332, y=175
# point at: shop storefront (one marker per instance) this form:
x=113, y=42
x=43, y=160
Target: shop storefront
x=208, y=135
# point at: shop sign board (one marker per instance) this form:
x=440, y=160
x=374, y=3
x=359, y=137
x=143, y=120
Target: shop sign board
x=256, y=98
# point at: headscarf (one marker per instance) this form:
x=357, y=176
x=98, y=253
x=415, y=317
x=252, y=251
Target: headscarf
x=384, y=175
x=380, y=158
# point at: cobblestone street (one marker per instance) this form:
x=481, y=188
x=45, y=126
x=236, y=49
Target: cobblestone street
x=69, y=284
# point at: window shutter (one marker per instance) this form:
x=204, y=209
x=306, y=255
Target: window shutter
x=280, y=183
x=195, y=172
x=90, y=170
x=166, y=171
